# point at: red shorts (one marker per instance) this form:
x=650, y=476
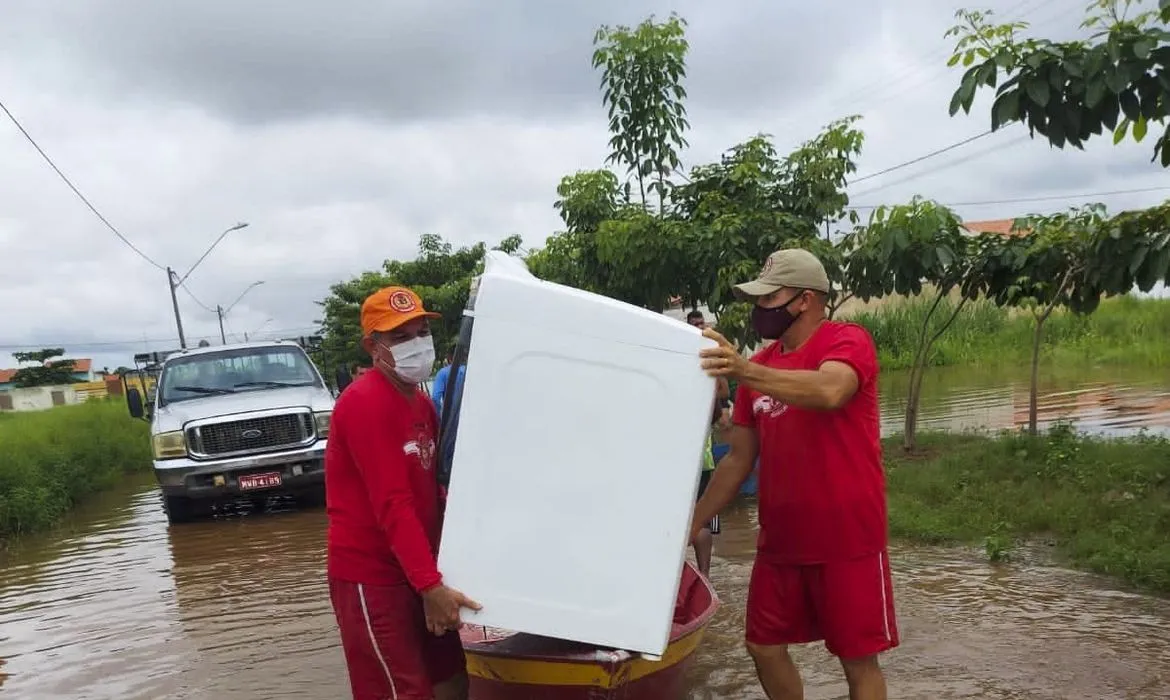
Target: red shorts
x=389, y=652
x=849, y=604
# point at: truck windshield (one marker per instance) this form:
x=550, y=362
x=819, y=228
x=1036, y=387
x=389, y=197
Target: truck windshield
x=233, y=371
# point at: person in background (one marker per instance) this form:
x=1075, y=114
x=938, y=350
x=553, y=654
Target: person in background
x=398, y=621
x=439, y=386
x=807, y=404
x=704, y=541
x=344, y=379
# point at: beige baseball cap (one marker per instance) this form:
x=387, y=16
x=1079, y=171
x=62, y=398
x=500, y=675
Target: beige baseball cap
x=791, y=267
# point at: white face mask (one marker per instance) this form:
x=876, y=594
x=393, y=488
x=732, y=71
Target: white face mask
x=414, y=359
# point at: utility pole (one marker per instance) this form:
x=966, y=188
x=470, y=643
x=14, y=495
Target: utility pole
x=219, y=312
x=174, y=281
x=175, y=305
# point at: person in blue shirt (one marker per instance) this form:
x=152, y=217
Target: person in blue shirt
x=439, y=386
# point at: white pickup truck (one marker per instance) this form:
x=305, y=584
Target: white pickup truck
x=247, y=420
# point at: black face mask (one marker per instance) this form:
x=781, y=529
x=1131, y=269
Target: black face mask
x=772, y=323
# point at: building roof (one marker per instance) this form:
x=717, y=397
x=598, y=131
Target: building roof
x=80, y=364
x=1001, y=226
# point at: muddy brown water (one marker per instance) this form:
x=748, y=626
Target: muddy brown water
x=114, y=604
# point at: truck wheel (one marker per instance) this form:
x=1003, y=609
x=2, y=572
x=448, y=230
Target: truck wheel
x=180, y=509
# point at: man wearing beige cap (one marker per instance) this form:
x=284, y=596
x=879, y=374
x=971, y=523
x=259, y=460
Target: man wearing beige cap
x=807, y=407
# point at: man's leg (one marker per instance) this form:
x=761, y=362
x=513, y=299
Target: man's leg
x=381, y=634
x=865, y=678
x=704, y=543
x=777, y=616
x=703, y=548
x=855, y=601
x=776, y=671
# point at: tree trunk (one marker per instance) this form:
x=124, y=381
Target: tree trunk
x=1037, y=339
x=910, y=426
x=1033, y=386
x=661, y=195
x=918, y=372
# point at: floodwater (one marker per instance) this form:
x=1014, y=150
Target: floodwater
x=1112, y=401
x=114, y=604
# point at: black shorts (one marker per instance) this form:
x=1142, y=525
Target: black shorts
x=704, y=480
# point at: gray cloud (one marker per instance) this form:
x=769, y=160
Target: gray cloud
x=341, y=134
x=257, y=62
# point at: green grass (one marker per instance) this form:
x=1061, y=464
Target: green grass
x=51, y=460
x=1105, y=503
x=1123, y=330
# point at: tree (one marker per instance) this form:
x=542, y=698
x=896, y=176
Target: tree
x=440, y=274
x=901, y=249
x=1070, y=91
x=1137, y=246
x=1072, y=260
x=641, y=78
x=45, y=371
x=715, y=228
x=1046, y=265
x=752, y=203
x=586, y=200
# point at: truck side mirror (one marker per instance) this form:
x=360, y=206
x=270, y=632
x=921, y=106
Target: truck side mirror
x=134, y=403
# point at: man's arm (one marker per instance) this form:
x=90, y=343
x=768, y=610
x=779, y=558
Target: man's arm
x=729, y=475
x=825, y=389
x=382, y=463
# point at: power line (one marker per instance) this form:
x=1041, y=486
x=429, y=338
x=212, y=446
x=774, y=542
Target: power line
x=191, y=294
x=76, y=191
x=921, y=158
x=74, y=345
x=1023, y=200
x=944, y=166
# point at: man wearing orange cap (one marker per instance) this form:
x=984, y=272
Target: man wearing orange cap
x=399, y=623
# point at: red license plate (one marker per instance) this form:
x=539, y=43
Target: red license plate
x=259, y=481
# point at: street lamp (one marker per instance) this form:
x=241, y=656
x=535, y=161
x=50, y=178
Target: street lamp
x=258, y=328
x=174, y=281
x=221, y=312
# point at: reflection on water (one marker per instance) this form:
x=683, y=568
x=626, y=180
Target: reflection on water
x=1109, y=402
x=120, y=606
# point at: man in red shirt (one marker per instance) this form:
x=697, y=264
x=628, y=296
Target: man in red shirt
x=399, y=623
x=807, y=407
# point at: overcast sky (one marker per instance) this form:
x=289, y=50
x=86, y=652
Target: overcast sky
x=341, y=131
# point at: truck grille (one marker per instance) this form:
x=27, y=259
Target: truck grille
x=251, y=435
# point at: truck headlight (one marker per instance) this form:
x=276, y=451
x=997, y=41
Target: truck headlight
x=322, y=420
x=170, y=445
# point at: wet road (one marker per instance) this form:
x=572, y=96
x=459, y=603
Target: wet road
x=116, y=605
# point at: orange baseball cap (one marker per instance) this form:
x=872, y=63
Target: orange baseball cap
x=389, y=308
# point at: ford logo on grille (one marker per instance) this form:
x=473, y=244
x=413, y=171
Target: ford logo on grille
x=251, y=434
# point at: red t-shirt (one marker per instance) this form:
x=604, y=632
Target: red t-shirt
x=822, y=489
x=382, y=498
